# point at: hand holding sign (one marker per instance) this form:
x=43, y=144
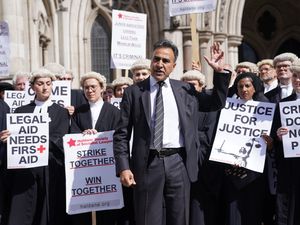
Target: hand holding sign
x=27, y=140
x=4, y=134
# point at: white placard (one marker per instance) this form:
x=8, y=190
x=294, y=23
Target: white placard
x=290, y=118
x=28, y=143
x=61, y=93
x=181, y=7
x=4, y=49
x=116, y=102
x=91, y=182
x=238, y=139
x=128, y=42
x=14, y=99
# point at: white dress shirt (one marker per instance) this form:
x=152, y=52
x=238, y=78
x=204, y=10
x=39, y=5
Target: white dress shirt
x=172, y=136
x=95, y=111
x=286, y=90
x=269, y=87
x=42, y=107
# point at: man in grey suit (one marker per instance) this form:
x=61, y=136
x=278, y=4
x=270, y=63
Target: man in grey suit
x=165, y=145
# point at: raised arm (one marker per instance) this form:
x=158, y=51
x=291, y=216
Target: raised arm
x=216, y=60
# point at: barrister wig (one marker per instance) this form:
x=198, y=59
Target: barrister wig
x=41, y=73
x=251, y=66
x=140, y=64
x=284, y=57
x=265, y=62
x=193, y=75
x=101, y=79
x=55, y=68
x=122, y=81
x=295, y=68
x=256, y=82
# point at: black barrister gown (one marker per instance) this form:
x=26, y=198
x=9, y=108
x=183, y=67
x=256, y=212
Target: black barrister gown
x=4, y=176
x=38, y=194
x=107, y=120
x=245, y=202
x=288, y=186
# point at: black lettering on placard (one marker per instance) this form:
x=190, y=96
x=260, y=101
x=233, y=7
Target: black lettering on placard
x=246, y=131
x=292, y=121
x=295, y=144
x=30, y=92
x=60, y=90
x=116, y=104
x=18, y=103
x=21, y=150
x=28, y=130
x=28, y=159
x=293, y=109
x=59, y=102
x=93, y=180
x=245, y=119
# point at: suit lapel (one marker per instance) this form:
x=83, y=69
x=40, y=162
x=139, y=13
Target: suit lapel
x=101, y=117
x=87, y=117
x=180, y=99
x=145, y=97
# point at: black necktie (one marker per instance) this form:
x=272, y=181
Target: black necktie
x=159, y=118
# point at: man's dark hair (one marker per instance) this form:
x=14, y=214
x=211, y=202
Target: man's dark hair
x=166, y=44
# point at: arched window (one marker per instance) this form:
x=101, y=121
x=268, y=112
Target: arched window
x=100, y=47
x=247, y=53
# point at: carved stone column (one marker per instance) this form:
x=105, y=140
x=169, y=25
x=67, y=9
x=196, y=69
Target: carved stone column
x=13, y=12
x=44, y=42
x=205, y=40
x=233, y=52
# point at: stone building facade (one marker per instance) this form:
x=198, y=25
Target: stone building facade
x=77, y=33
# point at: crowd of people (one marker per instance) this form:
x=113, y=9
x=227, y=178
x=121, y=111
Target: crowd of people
x=164, y=132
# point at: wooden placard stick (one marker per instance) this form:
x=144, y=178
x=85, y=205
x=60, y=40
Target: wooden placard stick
x=195, y=39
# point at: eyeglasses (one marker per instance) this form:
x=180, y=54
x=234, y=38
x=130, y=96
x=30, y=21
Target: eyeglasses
x=92, y=87
x=284, y=66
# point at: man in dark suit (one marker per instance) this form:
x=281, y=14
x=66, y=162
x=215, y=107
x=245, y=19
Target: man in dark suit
x=163, y=164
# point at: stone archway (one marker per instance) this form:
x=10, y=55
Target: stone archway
x=266, y=27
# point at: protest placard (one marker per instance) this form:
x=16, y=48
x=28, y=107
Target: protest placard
x=289, y=114
x=28, y=144
x=4, y=49
x=128, y=42
x=61, y=93
x=14, y=99
x=181, y=7
x=238, y=139
x=91, y=182
x=116, y=102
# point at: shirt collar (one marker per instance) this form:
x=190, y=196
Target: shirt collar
x=48, y=102
x=286, y=86
x=96, y=104
x=153, y=82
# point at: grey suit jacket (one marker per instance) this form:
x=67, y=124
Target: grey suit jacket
x=135, y=114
